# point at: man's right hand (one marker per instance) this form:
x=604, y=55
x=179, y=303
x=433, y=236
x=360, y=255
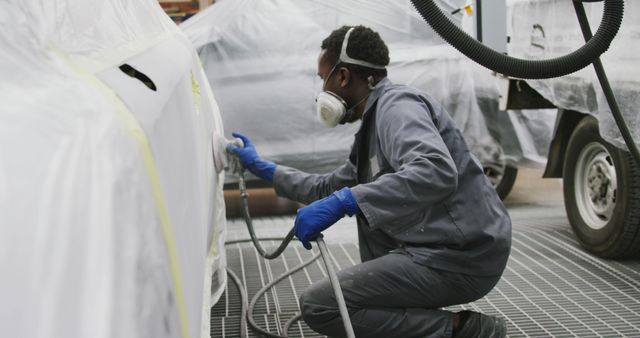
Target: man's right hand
x=251, y=160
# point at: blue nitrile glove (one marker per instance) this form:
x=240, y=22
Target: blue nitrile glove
x=321, y=214
x=251, y=160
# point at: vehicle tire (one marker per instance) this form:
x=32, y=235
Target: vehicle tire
x=601, y=193
x=502, y=179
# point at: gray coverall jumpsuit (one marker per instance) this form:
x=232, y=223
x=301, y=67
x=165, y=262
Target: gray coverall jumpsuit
x=432, y=231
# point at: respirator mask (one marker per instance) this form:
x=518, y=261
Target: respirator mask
x=331, y=109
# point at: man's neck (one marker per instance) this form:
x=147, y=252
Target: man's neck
x=365, y=91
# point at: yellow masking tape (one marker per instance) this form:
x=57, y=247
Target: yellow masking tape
x=141, y=139
x=195, y=90
x=197, y=101
x=204, y=86
x=213, y=250
x=149, y=163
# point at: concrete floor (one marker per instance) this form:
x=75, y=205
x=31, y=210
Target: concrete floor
x=551, y=288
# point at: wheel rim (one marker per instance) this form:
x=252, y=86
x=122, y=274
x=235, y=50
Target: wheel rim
x=595, y=185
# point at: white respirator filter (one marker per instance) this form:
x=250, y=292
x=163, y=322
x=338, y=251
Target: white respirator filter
x=330, y=108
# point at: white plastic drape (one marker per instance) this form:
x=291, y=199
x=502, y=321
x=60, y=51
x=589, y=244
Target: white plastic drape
x=542, y=29
x=261, y=59
x=112, y=213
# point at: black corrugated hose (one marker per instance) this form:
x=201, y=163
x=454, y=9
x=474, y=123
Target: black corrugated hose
x=606, y=87
x=588, y=54
x=519, y=68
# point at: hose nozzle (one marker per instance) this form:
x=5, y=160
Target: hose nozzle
x=223, y=157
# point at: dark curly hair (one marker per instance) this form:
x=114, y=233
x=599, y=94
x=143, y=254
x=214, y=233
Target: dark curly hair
x=364, y=44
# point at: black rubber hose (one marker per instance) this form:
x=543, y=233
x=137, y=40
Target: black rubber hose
x=247, y=218
x=606, y=87
x=244, y=196
x=519, y=68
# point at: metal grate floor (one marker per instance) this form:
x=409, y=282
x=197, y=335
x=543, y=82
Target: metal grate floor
x=551, y=288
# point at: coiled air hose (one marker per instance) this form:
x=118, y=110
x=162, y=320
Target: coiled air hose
x=596, y=44
x=519, y=68
x=247, y=308
x=247, y=218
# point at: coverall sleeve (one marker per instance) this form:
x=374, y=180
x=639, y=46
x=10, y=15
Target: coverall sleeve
x=306, y=188
x=425, y=173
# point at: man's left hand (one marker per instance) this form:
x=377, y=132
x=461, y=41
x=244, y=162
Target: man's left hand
x=319, y=215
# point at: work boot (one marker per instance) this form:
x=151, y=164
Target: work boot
x=478, y=325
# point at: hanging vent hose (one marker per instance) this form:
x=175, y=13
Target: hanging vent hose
x=525, y=69
x=596, y=44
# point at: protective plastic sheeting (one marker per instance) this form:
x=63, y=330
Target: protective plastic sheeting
x=112, y=213
x=261, y=58
x=542, y=29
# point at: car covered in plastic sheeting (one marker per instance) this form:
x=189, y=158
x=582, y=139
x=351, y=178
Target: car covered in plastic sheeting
x=261, y=59
x=601, y=179
x=112, y=212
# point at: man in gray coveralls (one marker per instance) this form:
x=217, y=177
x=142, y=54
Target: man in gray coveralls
x=432, y=231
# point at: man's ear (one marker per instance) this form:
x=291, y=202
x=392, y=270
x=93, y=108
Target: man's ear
x=344, y=76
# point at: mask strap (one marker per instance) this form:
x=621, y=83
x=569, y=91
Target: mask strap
x=351, y=111
x=324, y=82
x=344, y=57
x=359, y=102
